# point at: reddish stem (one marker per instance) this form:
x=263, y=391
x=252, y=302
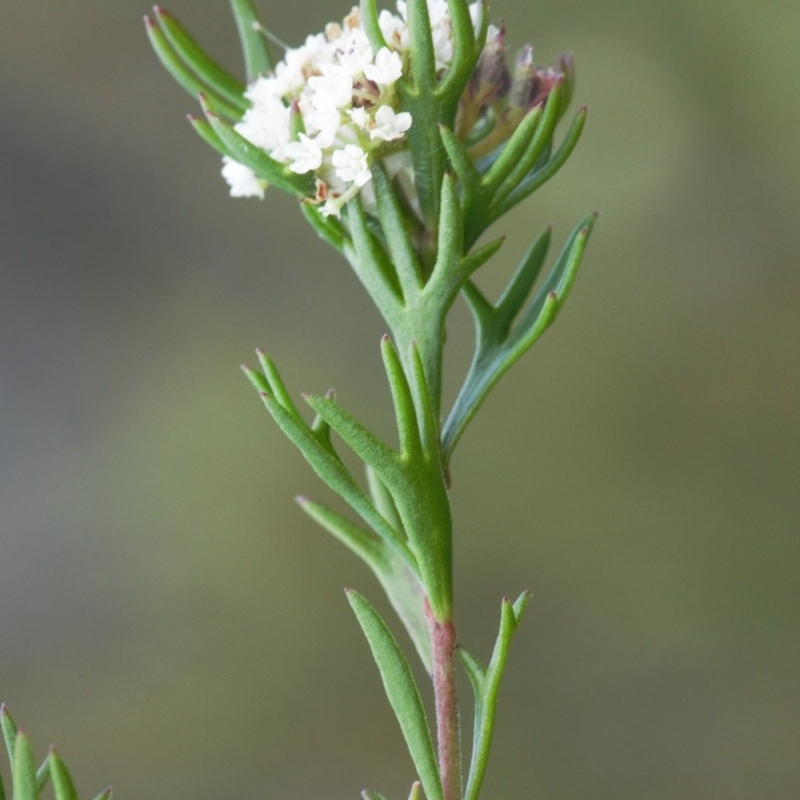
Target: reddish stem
x=448, y=733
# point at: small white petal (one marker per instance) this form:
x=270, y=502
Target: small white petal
x=242, y=180
x=389, y=125
x=305, y=155
x=388, y=67
x=351, y=164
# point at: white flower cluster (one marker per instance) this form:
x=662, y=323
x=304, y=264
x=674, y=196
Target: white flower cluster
x=344, y=95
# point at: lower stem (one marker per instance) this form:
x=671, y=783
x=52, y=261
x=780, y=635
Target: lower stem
x=448, y=731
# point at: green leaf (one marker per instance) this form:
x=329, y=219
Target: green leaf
x=539, y=141
x=477, y=258
x=423, y=60
x=9, y=728
x=365, y=444
x=451, y=228
x=329, y=229
x=257, y=57
x=275, y=385
x=419, y=494
x=206, y=133
x=336, y=476
x=499, y=344
x=245, y=152
x=512, y=152
x=185, y=76
x=394, y=228
x=401, y=689
x=465, y=57
x=402, y=586
x=2, y=789
x=486, y=687
x=371, y=263
x=521, y=283
x=218, y=79
x=405, y=412
x=369, y=22
x=465, y=170
x=63, y=787
x=104, y=795
x=428, y=425
x=540, y=176
x=43, y=774
x=23, y=769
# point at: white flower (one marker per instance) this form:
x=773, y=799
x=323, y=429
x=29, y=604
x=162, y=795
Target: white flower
x=359, y=116
x=351, y=164
x=334, y=83
x=389, y=125
x=242, y=180
x=391, y=26
x=339, y=91
x=305, y=155
x=321, y=116
x=388, y=67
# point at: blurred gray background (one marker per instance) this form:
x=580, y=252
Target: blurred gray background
x=173, y=621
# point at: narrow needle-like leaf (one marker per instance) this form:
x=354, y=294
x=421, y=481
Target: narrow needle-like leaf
x=487, y=686
x=369, y=22
x=405, y=412
x=257, y=57
x=401, y=689
x=63, y=787
x=23, y=769
x=214, y=76
x=185, y=76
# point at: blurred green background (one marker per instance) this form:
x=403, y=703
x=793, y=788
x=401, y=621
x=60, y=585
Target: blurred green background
x=174, y=622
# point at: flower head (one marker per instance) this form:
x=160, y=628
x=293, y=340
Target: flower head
x=331, y=107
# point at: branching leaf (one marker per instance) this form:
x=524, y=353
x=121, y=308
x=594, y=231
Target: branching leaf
x=401, y=689
x=335, y=475
x=315, y=446
x=365, y=444
x=405, y=412
x=465, y=57
x=371, y=263
x=486, y=686
x=539, y=141
x=512, y=152
x=402, y=586
x=499, y=343
x=538, y=177
x=393, y=225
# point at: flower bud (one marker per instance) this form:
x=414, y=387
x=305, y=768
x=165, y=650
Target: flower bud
x=491, y=77
x=531, y=84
